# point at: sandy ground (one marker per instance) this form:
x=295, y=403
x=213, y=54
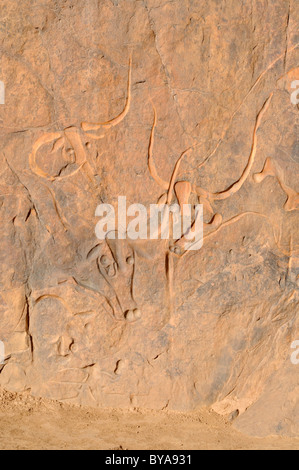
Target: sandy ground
x=29, y=423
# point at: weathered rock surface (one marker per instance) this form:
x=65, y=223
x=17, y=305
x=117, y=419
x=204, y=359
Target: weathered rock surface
x=212, y=327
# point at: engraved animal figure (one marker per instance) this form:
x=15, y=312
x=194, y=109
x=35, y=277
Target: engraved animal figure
x=182, y=190
x=115, y=260
x=272, y=168
x=112, y=275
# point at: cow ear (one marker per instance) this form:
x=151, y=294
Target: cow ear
x=162, y=199
x=94, y=252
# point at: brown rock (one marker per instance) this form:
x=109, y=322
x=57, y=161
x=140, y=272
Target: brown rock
x=103, y=99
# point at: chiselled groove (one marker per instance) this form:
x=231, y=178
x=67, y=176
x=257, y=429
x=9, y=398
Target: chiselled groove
x=205, y=197
x=174, y=175
x=151, y=163
x=254, y=86
x=232, y=221
x=70, y=136
x=170, y=281
x=51, y=137
x=55, y=297
x=94, y=252
x=220, y=196
x=271, y=168
x=87, y=312
x=102, y=295
x=95, y=137
x=73, y=136
x=114, y=266
x=152, y=168
x=57, y=208
x=45, y=139
x=167, y=198
x=183, y=190
x=183, y=241
x=119, y=273
x=105, y=276
x=87, y=126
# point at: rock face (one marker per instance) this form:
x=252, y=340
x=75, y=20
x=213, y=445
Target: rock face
x=144, y=324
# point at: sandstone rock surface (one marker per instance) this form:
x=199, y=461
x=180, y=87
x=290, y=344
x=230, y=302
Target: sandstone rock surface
x=102, y=97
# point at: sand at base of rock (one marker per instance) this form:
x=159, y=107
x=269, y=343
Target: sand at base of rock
x=30, y=423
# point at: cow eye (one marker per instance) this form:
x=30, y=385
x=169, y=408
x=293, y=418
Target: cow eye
x=105, y=260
